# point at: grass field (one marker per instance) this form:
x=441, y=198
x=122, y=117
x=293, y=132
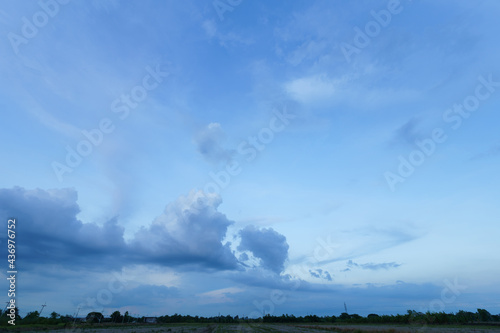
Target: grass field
x=269, y=328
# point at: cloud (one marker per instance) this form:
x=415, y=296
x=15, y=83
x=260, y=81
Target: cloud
x=408, y=133
x=209, y=144
x=49, y=232
x=373, y=240
x=309, y=49
x=317, y=87
x=267, y=245
x=227, y=40
x=314, y=274
x=493, y=151
x=260, y=277
x=321, y=274
x=220, y=295
x=190, y=231
x=324, y=90
x=142, y=295
x=210, y=28
x=372, y=266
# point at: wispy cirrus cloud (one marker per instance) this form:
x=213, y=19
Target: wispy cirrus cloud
x=327, y=90
x=373, y=266
x=493, y=151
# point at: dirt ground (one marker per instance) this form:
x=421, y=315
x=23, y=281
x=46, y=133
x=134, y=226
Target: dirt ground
x=400, y=329
x=270, y=328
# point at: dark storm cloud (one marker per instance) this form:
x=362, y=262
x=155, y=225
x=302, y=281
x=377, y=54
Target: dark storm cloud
x=266, y=244
x=209, y=144
x=372, y=266
x=48, y=231
x=188, y=233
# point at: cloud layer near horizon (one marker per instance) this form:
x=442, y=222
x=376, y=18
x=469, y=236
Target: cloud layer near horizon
x=189, y=233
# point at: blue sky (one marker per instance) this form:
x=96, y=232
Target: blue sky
x=245, y=156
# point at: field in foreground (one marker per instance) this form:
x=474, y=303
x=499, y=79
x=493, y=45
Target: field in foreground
x=270, y=328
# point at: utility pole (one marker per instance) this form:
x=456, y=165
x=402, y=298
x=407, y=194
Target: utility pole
x=76, y=316
x=100, y=318
x=43, y=305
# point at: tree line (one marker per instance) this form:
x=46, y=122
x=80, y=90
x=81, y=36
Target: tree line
x=481, y=316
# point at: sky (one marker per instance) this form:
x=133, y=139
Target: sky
x=247, y=157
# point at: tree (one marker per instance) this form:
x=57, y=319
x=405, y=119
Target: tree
x=355, y=316
x=32, y=315
x=94, y=317
x=344, y=316
x=465, y=317
x=16, y=311
x=484, y=315
x=116, y=317
x=54, y=315
x=125, y=317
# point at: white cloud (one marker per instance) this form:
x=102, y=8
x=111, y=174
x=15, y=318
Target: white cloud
x=210, y=28
x=225, y=39
x=190, y=231
x=352, y=90
x=314, y=88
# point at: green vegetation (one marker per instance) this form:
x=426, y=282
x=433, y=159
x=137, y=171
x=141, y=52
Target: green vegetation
x=412, y=317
